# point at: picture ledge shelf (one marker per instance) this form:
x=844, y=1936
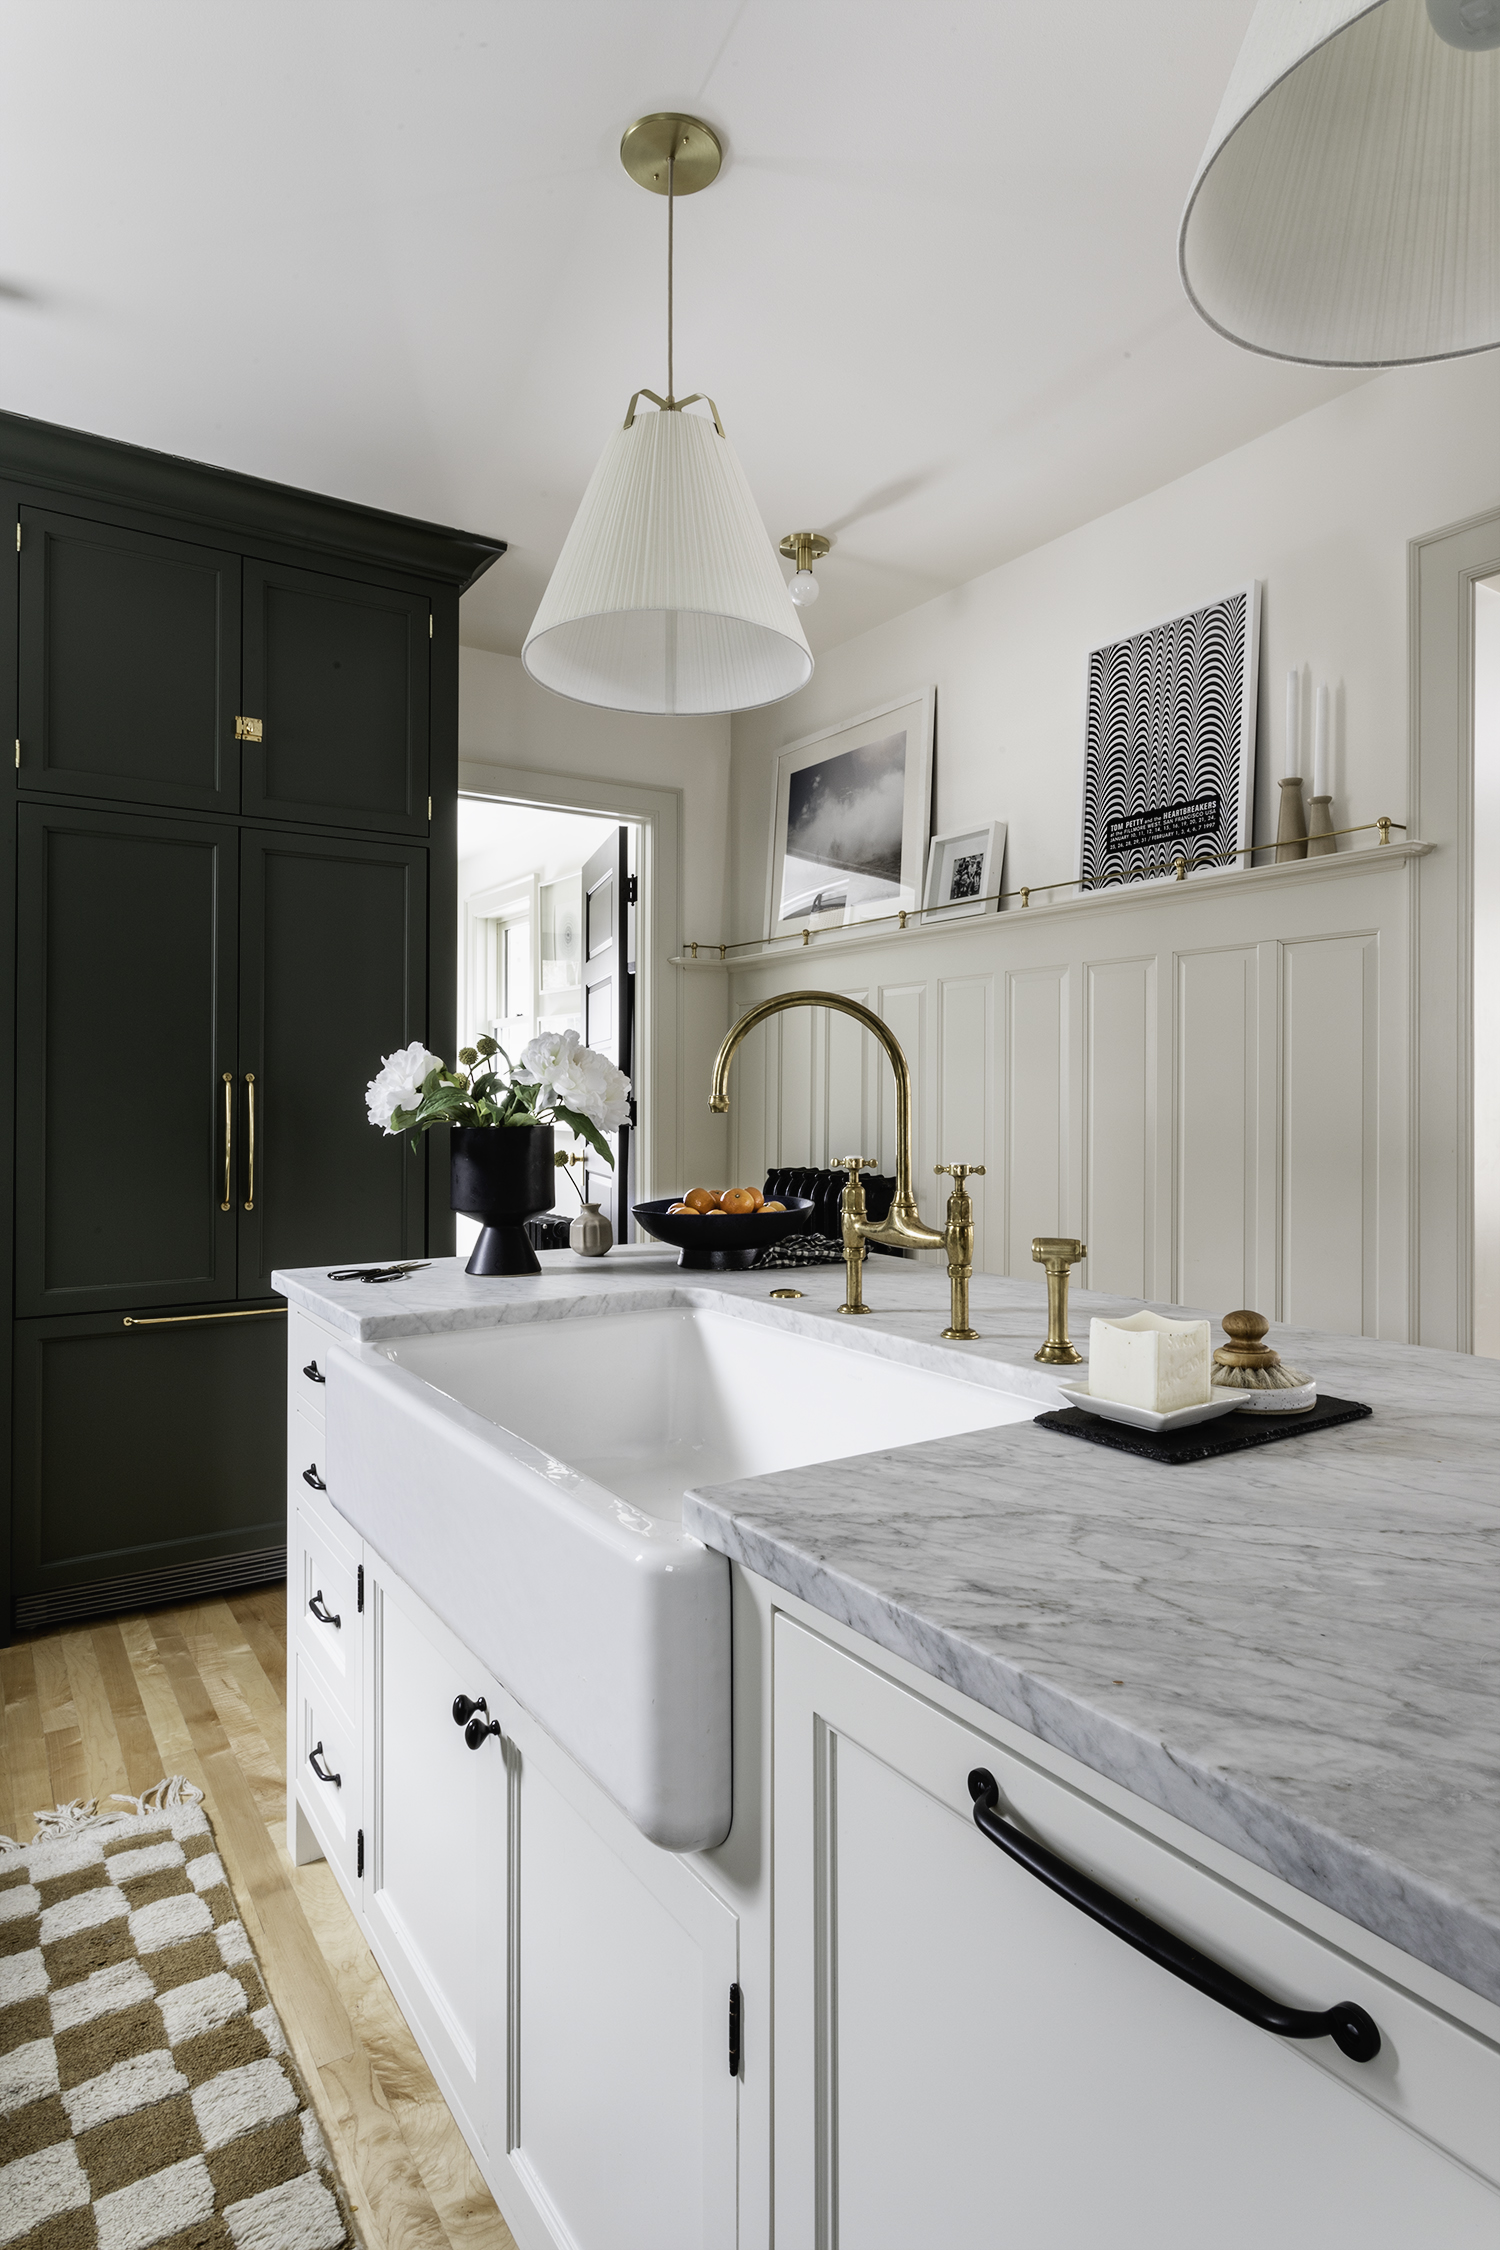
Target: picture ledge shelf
x=751, y=952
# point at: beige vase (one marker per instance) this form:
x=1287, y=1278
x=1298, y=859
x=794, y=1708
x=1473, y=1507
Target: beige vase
x=591, y=1233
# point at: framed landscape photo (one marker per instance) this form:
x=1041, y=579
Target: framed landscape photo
x=1169, y=752
x=849, y=819
x=965, y=872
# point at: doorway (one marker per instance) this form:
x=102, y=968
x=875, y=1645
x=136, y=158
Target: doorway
x=547, y=942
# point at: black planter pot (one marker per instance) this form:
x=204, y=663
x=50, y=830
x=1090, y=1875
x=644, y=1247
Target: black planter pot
x=503, y=1175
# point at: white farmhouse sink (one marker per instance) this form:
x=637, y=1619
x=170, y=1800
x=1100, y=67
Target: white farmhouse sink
x=527, y=1480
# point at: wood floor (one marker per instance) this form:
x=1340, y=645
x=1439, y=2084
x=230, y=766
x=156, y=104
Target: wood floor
x=201, y=1690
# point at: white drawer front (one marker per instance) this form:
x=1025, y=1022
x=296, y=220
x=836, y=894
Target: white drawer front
x=328, y=1774
x=325, y=1585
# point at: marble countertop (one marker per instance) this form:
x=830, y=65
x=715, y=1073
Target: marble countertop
x=1292, y=1650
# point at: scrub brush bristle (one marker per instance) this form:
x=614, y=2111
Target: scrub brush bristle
x=1247, y=1363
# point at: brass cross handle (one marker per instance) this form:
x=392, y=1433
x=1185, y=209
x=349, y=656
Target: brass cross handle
x=961, y=1172
x=854, y=1165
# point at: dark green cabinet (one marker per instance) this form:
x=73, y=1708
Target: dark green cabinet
x=148, y=1459
x=333, y=965
x=128, y=665
x=126, y=1048
x=232, y=827
x=336, y=674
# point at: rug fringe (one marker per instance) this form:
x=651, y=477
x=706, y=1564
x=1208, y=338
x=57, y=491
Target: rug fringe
x=171, y=1794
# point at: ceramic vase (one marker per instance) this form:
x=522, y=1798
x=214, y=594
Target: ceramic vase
x=502, y=1176
x=591, y=1233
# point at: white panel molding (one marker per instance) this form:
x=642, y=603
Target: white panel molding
x=1119, y=1082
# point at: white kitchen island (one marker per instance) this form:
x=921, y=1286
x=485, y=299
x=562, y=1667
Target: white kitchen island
x=1251, y=1698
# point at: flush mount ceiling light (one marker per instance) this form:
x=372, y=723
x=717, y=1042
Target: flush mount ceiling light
x=804, y=548
x=1347, y=209
x=667, y=596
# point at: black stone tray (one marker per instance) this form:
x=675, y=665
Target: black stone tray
x=1203, y=1441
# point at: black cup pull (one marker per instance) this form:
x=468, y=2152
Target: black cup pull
x=1354, y=2033
x=321, y=1611
x=322, y=1771
x=464, y=1707
x=310, y=1476
x=311, y=1372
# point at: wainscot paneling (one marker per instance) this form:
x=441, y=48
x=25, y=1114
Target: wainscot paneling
x=1205, y=1081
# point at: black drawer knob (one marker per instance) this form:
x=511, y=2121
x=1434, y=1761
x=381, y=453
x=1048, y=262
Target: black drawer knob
x=464, y=1707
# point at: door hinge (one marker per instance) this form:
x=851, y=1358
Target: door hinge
x=431, y=625
x=18, y=535
x=359, y=1589
x=736, y=2024
x=18, y=753
x=632, y=890
x=429, y=808
x=249, y=730
x=359, y=1855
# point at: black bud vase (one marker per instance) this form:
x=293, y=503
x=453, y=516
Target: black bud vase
x=503, y=1175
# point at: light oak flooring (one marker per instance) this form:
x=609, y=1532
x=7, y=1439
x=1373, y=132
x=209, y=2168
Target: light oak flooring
x=200, y=1690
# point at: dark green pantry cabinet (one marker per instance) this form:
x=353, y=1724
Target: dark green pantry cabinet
x=231, y=822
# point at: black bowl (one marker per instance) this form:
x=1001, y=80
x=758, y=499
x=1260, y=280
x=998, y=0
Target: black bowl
x=725, y=1243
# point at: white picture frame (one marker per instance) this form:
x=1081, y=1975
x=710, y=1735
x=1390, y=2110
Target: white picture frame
x=857, y=797
x=1170, y=726
x=965, y=872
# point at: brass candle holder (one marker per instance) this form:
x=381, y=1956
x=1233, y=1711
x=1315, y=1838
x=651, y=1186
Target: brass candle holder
x=1055, y=1254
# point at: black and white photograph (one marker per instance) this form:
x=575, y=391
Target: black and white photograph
x=849, y=832
x=965, y=872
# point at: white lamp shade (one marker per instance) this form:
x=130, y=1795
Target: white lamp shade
x=667, y=595
x=1347, y=209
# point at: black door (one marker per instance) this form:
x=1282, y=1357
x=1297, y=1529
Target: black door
x=126, y=1051
x=337, y=675
x=129, y=665
x=609, y=1005
x=143, y=1452
x=332, y=977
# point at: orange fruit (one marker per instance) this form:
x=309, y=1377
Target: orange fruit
x=715, y=1214
x=773, y=1207
x=740, y=1203
x=673, y=1210
x=702, y=1199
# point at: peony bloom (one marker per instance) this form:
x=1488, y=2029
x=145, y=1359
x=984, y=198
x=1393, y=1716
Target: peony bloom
x=588, y=1082
x=545, y=1055
x=399, y=1085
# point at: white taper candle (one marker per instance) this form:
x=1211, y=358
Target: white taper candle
x=1320, y=786
x=1292, y=764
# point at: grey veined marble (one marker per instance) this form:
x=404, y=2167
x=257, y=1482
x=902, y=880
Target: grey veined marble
x=1293, y=1650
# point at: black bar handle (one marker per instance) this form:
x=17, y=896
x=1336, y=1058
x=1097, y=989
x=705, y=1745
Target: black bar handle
x=322, y=1772
x=1354, y=2033
x=322, y=1612
x=312, y=1373
x=310, y=1476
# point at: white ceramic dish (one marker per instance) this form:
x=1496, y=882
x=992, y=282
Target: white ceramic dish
x=1141, y=1417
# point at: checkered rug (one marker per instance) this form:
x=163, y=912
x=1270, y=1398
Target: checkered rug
x=147, y=2098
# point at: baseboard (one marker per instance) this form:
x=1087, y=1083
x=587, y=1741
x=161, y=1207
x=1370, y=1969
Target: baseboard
x=105, y=1596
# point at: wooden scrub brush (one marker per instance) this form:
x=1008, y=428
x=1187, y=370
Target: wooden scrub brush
x=1247, y=1363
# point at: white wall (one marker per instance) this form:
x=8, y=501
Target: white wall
x=1320, y=510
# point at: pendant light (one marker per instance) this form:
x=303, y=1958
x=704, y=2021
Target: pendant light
x=1347, y=209
x=667, y=595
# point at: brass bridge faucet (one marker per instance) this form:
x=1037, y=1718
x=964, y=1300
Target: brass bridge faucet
x=902, y=1226
x=1055, y=1254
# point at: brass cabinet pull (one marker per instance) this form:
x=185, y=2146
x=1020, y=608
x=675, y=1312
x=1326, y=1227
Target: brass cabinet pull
x=228, y=1140
x=250, y=1085
x=190, y=1319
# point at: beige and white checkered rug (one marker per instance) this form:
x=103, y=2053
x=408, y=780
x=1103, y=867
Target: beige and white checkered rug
x=147, y=2098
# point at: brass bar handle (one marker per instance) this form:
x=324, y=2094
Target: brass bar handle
x=250, y=1089
x=228, y=1140
x=191, y=1319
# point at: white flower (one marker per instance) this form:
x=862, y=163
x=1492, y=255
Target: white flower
x=588, y=1082
x=399, y=1084
x=542, y=1057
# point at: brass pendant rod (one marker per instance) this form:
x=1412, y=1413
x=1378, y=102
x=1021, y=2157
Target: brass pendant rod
x=671, y=185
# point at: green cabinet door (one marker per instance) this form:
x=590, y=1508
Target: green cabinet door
x=129, y=665
x=126, y=1051
x=333, y=975
x=337, y=674
x=145, y=1455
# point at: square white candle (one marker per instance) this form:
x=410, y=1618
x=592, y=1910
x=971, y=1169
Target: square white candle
x=1152, y=1362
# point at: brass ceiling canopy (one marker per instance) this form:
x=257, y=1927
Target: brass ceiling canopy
x=804, y=547
x=692, y=146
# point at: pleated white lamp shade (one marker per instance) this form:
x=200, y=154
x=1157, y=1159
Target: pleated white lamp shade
x=1347, y=209
x=667, y=595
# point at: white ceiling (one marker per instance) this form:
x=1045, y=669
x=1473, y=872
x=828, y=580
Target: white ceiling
x=387, y=250
x=514, y=840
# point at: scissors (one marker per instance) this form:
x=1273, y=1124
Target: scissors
x=380, y=1273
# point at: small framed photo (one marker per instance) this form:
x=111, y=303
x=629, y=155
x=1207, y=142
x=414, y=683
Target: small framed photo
x=965, y=872
x=849, y=819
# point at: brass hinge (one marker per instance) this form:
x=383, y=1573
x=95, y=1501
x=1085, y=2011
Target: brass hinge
x=249, y=730
x=18, y=753
x=429, y=808
x=18, y=535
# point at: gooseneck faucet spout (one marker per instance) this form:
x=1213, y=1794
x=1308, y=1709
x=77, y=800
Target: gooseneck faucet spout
x=902, y=1227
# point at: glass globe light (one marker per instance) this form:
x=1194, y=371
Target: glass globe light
x=804, y=589
x=1473, y=26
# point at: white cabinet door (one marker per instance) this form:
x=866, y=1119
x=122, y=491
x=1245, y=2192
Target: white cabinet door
x=962, y=2056
x=624, y=2111
x=326, y=1770
x=436, y=1854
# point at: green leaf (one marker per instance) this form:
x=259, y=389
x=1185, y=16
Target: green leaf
x=585, y=1129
